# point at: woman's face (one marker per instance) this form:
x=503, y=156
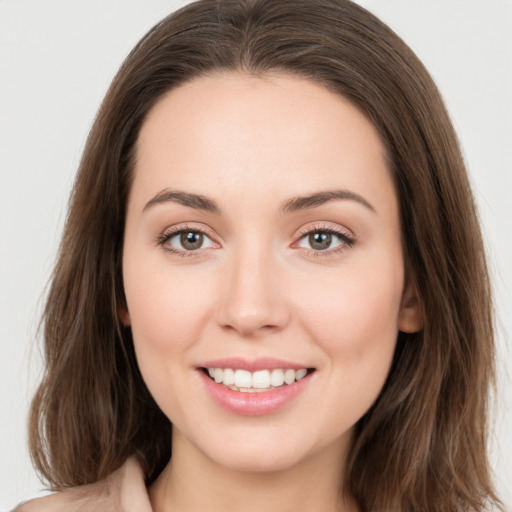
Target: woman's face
x=263, y=243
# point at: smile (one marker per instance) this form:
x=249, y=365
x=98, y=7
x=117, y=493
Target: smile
x=255, y=382
x=254, y=388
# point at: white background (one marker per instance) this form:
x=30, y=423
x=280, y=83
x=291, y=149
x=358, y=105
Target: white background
x=56, y=61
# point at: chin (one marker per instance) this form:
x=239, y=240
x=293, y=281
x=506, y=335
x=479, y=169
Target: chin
x=260, y=464
x=259, y=457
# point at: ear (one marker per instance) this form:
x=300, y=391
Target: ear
x=123, y=315
x=411, y=317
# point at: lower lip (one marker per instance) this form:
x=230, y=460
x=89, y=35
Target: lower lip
x=253, y=404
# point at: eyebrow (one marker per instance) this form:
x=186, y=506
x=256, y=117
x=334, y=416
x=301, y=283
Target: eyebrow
x=299, y=203
x=195, y=201
x=319, y=198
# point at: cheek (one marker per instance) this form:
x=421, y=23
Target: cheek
x=167, y=310
x=356, y=300
x=356, y=327
x=355, y=322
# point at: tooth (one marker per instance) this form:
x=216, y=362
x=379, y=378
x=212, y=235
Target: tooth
x=289, y=376
x=300, y=374
x=243, y=379
x=229, y=377
x=261, y=379
x=248, y=382
x=249, y=390
x=277, y=378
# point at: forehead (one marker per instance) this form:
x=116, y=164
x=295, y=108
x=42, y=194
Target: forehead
x=233, y=131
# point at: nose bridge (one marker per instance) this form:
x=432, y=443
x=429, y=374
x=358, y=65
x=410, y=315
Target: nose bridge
x=252, y=299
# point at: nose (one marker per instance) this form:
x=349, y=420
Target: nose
x=253, y=301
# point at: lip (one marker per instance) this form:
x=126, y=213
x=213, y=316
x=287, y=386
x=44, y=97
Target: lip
x=262, y=363
x=253, y=404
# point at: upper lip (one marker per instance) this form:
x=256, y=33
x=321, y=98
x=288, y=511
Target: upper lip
x=262, y=363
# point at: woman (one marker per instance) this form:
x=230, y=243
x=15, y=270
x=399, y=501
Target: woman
x=326, y=346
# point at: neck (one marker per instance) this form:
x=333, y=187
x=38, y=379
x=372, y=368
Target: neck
x=192, y=481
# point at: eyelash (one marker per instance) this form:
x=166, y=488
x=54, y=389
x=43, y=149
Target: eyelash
x=166, y=236
x=346, y=240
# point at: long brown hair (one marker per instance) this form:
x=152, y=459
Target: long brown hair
x=422, y=446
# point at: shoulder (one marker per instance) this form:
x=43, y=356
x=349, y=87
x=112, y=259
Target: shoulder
x=46, y=504
x=123, y=491
x=72, y=500
x=86, y=498
x=91, y=499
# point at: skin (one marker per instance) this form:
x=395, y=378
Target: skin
x=256, y=288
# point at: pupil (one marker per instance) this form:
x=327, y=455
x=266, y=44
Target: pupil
x=320, y=241
x=191, y=240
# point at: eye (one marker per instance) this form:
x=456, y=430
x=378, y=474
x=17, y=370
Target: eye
x=324, y=240
x=186, y=240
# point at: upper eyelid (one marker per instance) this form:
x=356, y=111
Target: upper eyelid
x=346, y=236
x=173, y=230
x=302, y=232
x=325, y=226
x=342, y=236
x=170, y=232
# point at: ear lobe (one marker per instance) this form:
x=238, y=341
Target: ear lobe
x=123, y=316
x=411, y=317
